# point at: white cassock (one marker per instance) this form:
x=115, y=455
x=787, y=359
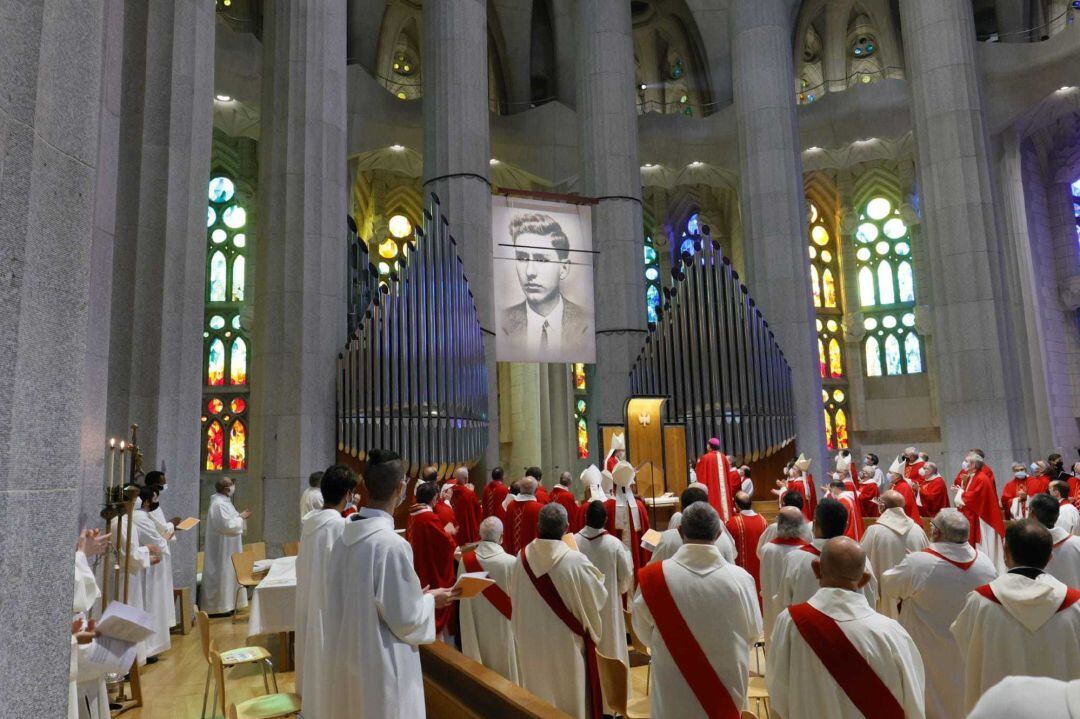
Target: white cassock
x=799, y=583
x=140, y=563
x=933, y=591
x=1023, y=635
x=486, y=635
x=157, y=583
x=310, y=500
x=87, y=696
x=613, y=560
x=886, y=543
x=165, y=527
x=802, y=687
x=318, y=533
x=543, y=640
x=1069, y=518
x=1029, y=698
x=806, y=534
x=671, y=540
x=1065, y=561
x=224, y=537
x=377, y=617
x=772, y=572
x=718, y=602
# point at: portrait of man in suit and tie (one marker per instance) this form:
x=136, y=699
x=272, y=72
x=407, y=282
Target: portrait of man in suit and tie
x=540, y=322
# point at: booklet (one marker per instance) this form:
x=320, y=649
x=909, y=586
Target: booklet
x=650, y=540
x=114, y=656
x=472, y=583
x=125, y=622
x=187, y=524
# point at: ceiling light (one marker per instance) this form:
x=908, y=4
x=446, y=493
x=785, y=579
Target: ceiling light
x=222, y=97
x=1067, y=88
x=397, y=148
x=695, y=163
x=643, y=86
x=493, y=162
x=648, y=165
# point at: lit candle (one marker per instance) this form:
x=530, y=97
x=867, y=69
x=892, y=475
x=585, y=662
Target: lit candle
x=123, y=457
x=112, y=464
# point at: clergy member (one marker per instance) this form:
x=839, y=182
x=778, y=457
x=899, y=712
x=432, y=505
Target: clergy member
x=627, y=519
x=746, y=528
x=671, y=540
x=900, y=483
x=487, y=635
x=699, y=616
x=1064, y=564
x=377, y=614
x=538, y=474
x=87, y=695
x=311, y=499
x=521, y=515
x=1012, y=489
x=157, y=581
x=800, y=580
x=224, y=537
x=562, y=494
x=466, y=506
x=800, y=480
x=714, y=472
x=790, y=499
x=834, y=656
x=495, y=492
x=932, y=586
x=1024, y=622
x=868, y=491
x=978, y=500
x=789, y=537
x=612, y=559
x=432, y=547
x=1068, y=515
x=558, y=597
x=912, y=463
x=932, y=491
x=143, y=558
x=1011, y=698
x=837, y=491
x=617, y=453
x=894, y=536
x=318, y=534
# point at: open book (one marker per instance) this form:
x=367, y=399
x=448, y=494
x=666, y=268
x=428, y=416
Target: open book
x=472, y=583
x=650, y=540
x=125, y=622
x=187, y=524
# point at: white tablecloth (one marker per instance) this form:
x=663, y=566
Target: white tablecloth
x=274, y=602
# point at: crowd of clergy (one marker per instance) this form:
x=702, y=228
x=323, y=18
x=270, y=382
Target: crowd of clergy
x=874, y=593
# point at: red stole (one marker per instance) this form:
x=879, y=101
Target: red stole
x=712, y=470
x=1072, y=596
x=689, y=657
x=747, y=530
x=546, y=589
x=498, y=598
x=790, y=541
x=845, y=664
x=962, y=566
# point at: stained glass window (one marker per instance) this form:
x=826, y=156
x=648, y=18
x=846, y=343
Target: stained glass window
x=581, y=407
x=1076, y=206
x=225, y=339
x=887, y=290
x=824, y=250
x=652, y=282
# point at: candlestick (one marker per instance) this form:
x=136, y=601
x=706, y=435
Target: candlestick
x=112, y=465
x=123, y=459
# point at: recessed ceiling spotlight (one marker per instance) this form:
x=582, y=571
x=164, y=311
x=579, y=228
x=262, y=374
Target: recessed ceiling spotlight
x=813, y=148
x=493, y=161
x=222, y=97
x=397, y=148
x=695, y=163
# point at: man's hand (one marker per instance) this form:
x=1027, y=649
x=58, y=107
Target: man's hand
x=92, y=542
x=245, y=514
x=84, y=634
x=175, y=521
x=443, y=596
x=168, y=536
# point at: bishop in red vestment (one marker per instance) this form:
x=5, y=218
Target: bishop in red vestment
x=627, y=519
x=433, y=548
x=713, y=471
x=901, y=484
x=561, y=494
x=978, y=501
x=466, y=506
x=617, y=453
x=799, y=480
x=521, y=517
x=746, y=529
x=933, y=493
x=854, y=528
x=494, y=493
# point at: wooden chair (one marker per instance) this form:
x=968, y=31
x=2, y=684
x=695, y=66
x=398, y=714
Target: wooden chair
x=244, y=566
x=639, y=646
x=257, y=550
x=615, y=682
x=267, y=706
x=182, y=596
x=291, y=549
x=757, y=693
x=231, y=658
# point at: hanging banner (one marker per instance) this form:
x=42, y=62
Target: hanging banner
x=543, y=261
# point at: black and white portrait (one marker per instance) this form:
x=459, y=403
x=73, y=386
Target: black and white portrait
x=543, y=281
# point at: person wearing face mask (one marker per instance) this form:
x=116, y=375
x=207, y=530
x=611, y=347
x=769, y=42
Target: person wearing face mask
x=933, y=494
x=977, y=499
x=157, y=581
x=1055, y=469
x=912, y=464
x=224, y=536
x=1012, y=503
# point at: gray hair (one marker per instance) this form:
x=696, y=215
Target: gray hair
x=952, y=525
x=553, y=522
x=491, y=529
x=461, y=474
x=527, y=485
x=700, y=522
x=789, y=525
x=931, y=468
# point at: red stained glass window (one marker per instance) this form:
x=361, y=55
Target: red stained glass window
x=215, y=446
x=238, y=405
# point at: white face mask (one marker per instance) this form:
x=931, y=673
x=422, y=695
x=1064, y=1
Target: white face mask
x=924, y=473
x=1020, y=475
x=836, y=476
x=965, y=465
x=229, y=491
x=162, y=488
x=138, y=503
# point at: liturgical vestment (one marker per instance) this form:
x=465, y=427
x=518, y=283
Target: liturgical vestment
x=1065, y=561
x=157, y=585
x=671, y=540
x=224, y=537
x=1011, y=699
x=486, y=632
x=799, y=582
x=886, y=543
x=773, y=556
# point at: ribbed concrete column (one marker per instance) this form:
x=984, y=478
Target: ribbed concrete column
x=607, y=126
x=457, y=153
x=300, y=280
x=50, y=80
x=969, y=312
x=773, y=203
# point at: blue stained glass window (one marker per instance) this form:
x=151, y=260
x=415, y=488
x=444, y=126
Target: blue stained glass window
x=892, y=355
x=687, y=247
x=222, y=189
x=650, y=255
x=913, y=352
x=692, y=226
x=652, y=296
x=652, y=274
x=905, y=282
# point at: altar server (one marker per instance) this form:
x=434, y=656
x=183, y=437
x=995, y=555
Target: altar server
x=834, y=656
x=1064, y=564
x=671, y=540
x=627, y=519
x=558, y=598
x=377, y=614
x=562, y=494
x=311, y=499
x=143, y=558
x=888, y=541
x=788, y=538
x=746, y=528
x=521, y=515
x=495, y=492
x=87, y=695
x=790, y=499
x=466, y=506
x=432, y=546
x=318, y=533
x=487, y=635
x=224, y=537
x=157, y=581
x=1024, y=622
x=933, y=493
x=699, y=615
x=978, y=500
x=1068, y=515
x=165, y=527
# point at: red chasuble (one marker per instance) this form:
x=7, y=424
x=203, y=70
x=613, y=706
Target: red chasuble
x=911, y=471
x=712, y=470
x=521, y=518
x=562, y=495
x=981, y=502
x=1009, y=493
x=689, y=657
x=445, y=512
x=910, y=508
x=854, y=528
x=433, y=555
x=639, y=555
x=466, y=506
x=868, y=492
x=1038, y=485
x=805, y=486
x=746, y=530
x=494, y=494
x=934, y=496
x=541, y=494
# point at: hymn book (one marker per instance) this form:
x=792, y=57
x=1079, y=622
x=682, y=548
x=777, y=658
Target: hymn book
x=650, y=540
x=187, y=524
x=472, y=584
x=125, y=622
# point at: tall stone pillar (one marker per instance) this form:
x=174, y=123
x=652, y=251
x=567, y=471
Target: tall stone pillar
x=773, y=202
x=457, y=155
x=50, y=80
x=969, y=313
x=300, y=276
x=607, y=126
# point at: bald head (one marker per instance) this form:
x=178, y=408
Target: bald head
x=842, y=565
x=461, y=474
x=789, y=523
x=893, y=500
x=527, y=485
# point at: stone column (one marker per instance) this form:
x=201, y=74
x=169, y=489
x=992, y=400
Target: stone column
x=969, y=313
x=607, y=126
x=300, y=278
x=457, y=153
x=773, y=203
x=50, y=80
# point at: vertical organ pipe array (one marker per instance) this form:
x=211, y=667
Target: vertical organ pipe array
x=412, y=377
x=712, y=353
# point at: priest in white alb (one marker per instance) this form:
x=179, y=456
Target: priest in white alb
x=157, y=581
x=165, y=527
x=1024, y=622
x=130, y=588
x=1064, y=564
x=558, y=598
x=789, y=537
x=486, y=632
x=931, y=587
x=311, y=498
x=612, y=558
x=319, y=532
x=224, y=537
x=886, y=542
x=806, y=530
x=1068, y=515
x=699, y=615
x=1011, y=698
x=377, y=614
x=671, y=540
x=834, y=656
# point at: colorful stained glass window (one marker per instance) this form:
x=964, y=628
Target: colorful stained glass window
x=824, y=251
x=238, y=279
x=579, y=374
x=215, y=406
x=215, y=446
x=237, y=447
x=238, y=405
x=218, y=272
x=1076, y=207
x=215, y=363
x=652, y=282
x=238, y=362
